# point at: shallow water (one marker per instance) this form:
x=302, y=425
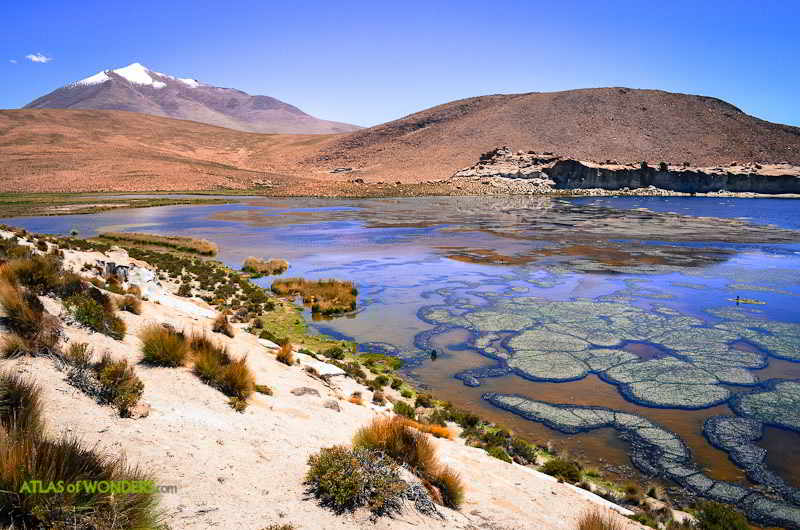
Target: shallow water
x=467, y=275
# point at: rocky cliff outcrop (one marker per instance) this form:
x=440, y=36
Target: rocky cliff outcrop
x=547, y=170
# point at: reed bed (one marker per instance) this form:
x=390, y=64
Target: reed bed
x=326, y=297
x=182, y=243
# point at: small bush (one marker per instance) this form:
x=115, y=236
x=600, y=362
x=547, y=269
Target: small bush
x=163, y=347
x=336, y=352
x=96, y=315
x=408, y=394
x=378, y=398
x=78, y=355
x=222, y=325
x=597, y=519
x=185, y=290
x=122, y=387
x=285, y=355
x=345, y=479
x=37, y=332
x=135, y=290
x=566, y=470
x=715, y=516
x=381, y=381
x=356, y=399
x=131, y=304
x=499, y=453
x=396, y=383
x=404, y=409
x=424, y=401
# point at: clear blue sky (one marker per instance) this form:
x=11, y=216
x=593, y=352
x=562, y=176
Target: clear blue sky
x=370, y=62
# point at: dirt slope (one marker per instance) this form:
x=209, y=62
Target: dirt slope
x=589, y=124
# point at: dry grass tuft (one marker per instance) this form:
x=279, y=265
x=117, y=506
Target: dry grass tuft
x=130, y=303
x=163, y=347
x=356, y=399
x=222, y=325
x=121, y=386
x=26, y=454
x=215, y=367
x=20, y=406
x=261, y=266
x=182, y=243
x=37, y=332
x=285, y=355
x=324, y=296
x=399, y=438
x=597, y=519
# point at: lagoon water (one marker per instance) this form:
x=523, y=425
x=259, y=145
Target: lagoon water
x=608, y=302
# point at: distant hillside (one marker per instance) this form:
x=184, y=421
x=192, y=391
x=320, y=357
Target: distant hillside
x=597, y=124
x=103, y=150
x=136, y=88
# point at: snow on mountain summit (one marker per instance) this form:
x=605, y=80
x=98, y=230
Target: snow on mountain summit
x=137, y=74
x=137, y=88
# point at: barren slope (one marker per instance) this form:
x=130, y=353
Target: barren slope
x=589, y=124
x=91, y=150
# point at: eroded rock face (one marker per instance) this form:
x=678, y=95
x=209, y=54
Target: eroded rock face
x=548, y=172
x=659, y=452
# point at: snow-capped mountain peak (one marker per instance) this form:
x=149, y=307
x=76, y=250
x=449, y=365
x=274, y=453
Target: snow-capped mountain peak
x=137, y=88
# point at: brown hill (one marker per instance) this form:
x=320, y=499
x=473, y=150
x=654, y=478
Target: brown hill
x=597, y=124
x=104, y=150
x=136, y=88
x=84, y=150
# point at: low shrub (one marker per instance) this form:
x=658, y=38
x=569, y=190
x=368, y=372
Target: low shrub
x=715, y=516
x=407, y=394
x=524, y=450
x=40, y=274
x=285, y=355
x=163, y=347
x=566, y=470
x=222, y=325
x=185, y=289
x=131, y=304
x=597, y=519
x=93, y=312
x=121, y=386
x=335, y=352
x=378, y=398
x=404, y=409
x=424, y=401
x=78, y=355
x=345, y=479
x=498, y=452
x=396, y=383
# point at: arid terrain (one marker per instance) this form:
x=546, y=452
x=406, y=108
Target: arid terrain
x=101, y=150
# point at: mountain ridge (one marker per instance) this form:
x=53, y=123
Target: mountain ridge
x=136, y=88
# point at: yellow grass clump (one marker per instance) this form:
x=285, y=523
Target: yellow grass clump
x=285, y=354
x=325, y=297
x=163, y=346
x=399, y=438
x=182, y=243
x=261, y=266
x=597, y=519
